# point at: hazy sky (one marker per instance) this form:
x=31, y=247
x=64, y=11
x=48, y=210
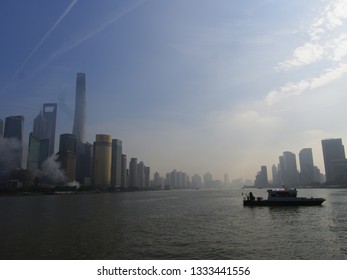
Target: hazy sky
x=197, y=85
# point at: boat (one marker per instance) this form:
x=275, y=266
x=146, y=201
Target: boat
x=281, y=197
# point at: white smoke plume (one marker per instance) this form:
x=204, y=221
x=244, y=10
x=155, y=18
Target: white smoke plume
x=50, y=169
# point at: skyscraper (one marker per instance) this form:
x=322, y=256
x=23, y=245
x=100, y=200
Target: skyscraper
x=44, y=125
x=116, y=166
x=14, y=126
x=1, y=127
x=133, y=173
x=124, y=183
x=67, y=155
x=79, y=125
x=102, y=160
x=333, y=151
x=37, y=152
x=306, y=166
x=289, y=171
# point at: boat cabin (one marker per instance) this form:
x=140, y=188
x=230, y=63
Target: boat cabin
x=281, y=193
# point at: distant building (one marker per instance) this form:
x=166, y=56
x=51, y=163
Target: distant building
x=45, y=125
x=140, y=175
x=289, y=171
x=116, y=165
x=102, y=161
x=147, y=176
x=306, y=166
x=84, y=162
x=14, y=127
x=79, y=125
x=333, y=150
x=37, y=152
x=1, y=128
x=196, y=181
x=67, y=155
x=124, y=173
x=133, y=173
x=261, y=179
x=208, y=180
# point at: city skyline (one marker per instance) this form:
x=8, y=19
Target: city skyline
x=208, y=87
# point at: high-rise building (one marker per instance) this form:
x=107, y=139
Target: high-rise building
x=14, y=127
x=140, y=175
x=133, y=173
x=37, y=152
x=208, y=179
x=124, y=177
x=1, y=127
x=84, y=159
x=196, y=181
x=67, y=155
x=261, y=179
x=102, y=161
x=116, y=165
x=306, y=166
x=333, y=154
x=44, y=125
x=289, y=172
x=79, y=125
x=147, y=176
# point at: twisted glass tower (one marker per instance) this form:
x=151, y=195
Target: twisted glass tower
x=79, y=125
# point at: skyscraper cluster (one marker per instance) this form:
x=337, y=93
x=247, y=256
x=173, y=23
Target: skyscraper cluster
x=103, y=164
x=286, y=171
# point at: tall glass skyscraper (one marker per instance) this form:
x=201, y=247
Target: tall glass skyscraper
x=333, y=151
x=79, y=125
x=44, y=125
x=116, y=166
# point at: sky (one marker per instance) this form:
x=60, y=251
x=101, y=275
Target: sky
x=194, y=85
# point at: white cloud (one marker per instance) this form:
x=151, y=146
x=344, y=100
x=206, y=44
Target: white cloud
x=330, y=18
x=337, y=48
x=303, y=55
x=319, y=46
x=292, y=89
x=329, y=76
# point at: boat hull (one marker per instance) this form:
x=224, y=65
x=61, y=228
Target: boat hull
x=297, y=202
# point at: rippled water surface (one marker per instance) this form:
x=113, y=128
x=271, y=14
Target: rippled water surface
x=182, y=224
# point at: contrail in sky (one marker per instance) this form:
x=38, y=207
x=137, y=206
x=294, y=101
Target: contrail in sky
x=64, y=14
x=90, y=34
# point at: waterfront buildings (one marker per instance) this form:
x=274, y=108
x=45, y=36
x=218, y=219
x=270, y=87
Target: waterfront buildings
x=124, y=172
x=334, y=160
x=45, y=125
x=133, y=173
x=79, y=125
x=67, y=155
x=1, y=127
x=37, y=152
x=14, y=127
x=102, y=161
x=261, y=179
x=116, y=165
x=307, y=173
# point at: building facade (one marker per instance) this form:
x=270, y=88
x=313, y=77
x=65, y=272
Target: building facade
x=116, y=165
x=102, y=161
x=79, y=124
x=333, y=150
x=14, y=127
x=45, y=125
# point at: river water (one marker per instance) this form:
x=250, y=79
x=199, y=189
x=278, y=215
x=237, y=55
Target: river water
x=175, y=224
